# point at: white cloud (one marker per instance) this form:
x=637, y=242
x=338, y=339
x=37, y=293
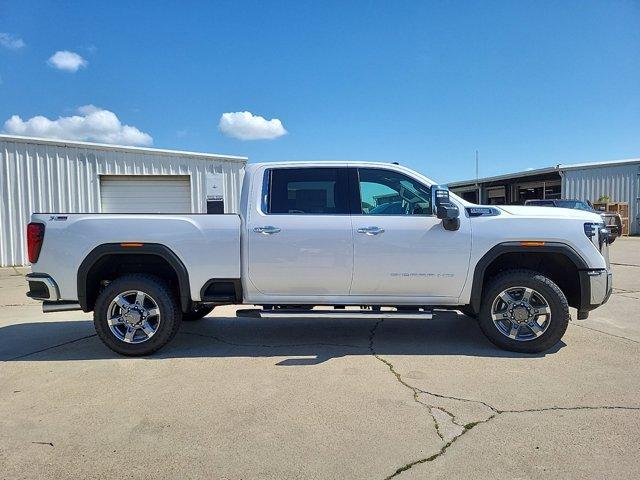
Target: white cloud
x=9, y=41
x=247, y=126
x=92, y=124
x=67, y=61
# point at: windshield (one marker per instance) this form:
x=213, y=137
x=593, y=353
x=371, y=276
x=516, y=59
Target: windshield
x=540, y=203
x=574, y=204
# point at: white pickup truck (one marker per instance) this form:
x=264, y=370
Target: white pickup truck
x=325, y=239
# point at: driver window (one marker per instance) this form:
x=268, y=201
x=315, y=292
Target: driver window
x=385, y=192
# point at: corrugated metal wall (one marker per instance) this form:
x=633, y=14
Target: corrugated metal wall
x=621, y=183
x=45, y=177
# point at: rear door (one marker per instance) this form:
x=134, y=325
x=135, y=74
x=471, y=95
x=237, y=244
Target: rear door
x=299, y=238
x=400, y=248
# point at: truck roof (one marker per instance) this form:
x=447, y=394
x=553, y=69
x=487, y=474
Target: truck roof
x=338, y=163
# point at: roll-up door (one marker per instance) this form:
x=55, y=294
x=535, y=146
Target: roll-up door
x=145, y=194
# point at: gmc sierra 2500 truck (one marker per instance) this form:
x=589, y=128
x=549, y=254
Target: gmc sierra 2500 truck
x=332, y=235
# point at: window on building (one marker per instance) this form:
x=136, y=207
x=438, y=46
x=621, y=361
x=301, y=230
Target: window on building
x=471, y=196
x=539, y=190
x=306, y=191
x=496, y=195
x=553, y=191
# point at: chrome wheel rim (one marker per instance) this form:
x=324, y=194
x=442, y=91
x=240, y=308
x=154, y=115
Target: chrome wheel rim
x=521, y=313
x=133, y=316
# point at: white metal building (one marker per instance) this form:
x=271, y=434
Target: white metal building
x=617, y=179
x=43, y=175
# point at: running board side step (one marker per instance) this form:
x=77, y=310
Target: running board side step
x=62, y=306
x=338, y=313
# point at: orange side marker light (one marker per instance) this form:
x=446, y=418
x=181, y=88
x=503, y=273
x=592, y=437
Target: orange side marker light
x=532, y=244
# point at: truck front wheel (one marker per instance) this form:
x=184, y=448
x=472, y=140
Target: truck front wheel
x=523, y=311
x=136, y=315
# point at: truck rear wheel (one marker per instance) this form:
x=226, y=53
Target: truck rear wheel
x=523, y=311
x=136, y=315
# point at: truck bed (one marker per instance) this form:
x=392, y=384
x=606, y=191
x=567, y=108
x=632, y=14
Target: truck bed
x=207, y=245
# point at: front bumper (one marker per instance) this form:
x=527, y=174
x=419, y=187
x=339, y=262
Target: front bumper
x=595, y=286
x=42, y=287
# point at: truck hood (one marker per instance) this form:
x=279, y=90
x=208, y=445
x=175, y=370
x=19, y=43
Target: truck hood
x=550, y=212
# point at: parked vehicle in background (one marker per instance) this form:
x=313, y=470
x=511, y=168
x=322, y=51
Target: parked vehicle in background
x=611, y=220
x=576, y=204
x=378, y=237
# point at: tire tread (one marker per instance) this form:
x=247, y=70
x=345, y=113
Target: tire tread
x=173, y=315
x=559, y=318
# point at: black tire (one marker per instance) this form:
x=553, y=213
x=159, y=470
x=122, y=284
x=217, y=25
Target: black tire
x=556, y=300
x=165, y=298
x=197, y=312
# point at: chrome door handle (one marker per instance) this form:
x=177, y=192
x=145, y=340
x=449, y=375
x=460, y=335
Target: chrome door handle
x=371, y=230
x=268, y=230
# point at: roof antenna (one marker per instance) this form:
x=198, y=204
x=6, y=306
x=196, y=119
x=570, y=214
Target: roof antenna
x=395, y=163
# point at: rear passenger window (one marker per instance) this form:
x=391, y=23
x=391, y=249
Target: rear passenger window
x=306, y=191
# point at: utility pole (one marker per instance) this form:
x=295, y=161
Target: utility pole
x=477, y=177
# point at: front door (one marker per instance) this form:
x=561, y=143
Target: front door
x=300, y=241
x=400, y=247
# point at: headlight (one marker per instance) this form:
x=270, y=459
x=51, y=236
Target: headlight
x=590, y=229
x=598, y=233
x=604, y=236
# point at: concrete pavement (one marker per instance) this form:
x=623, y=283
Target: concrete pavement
x=244, y=398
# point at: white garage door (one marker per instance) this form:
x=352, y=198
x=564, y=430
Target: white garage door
x=145, y=194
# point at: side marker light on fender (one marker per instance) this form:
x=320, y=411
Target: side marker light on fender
x=532, y=244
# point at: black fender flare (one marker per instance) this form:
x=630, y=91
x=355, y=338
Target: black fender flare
x=144, y=249
x=517, y=247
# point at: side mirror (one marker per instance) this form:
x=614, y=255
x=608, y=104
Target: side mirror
x=444, y=209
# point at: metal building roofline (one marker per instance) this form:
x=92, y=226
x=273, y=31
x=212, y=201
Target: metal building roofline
x=605, y=163
x=545, y=170
x=506, y=176
x=121, y=148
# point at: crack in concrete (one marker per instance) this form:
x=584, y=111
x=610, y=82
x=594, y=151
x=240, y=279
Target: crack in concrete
x=622, y=290
x=468, y=426
x=19, y=305
x=438, y=454
x=604, y=333
x=625, y=265
x=448, y=428
x=579, y=407
x=416, y=392
x=16, y=273
x=48, y=348
x=629, y=296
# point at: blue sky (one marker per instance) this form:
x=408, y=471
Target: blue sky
x=528, y=84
